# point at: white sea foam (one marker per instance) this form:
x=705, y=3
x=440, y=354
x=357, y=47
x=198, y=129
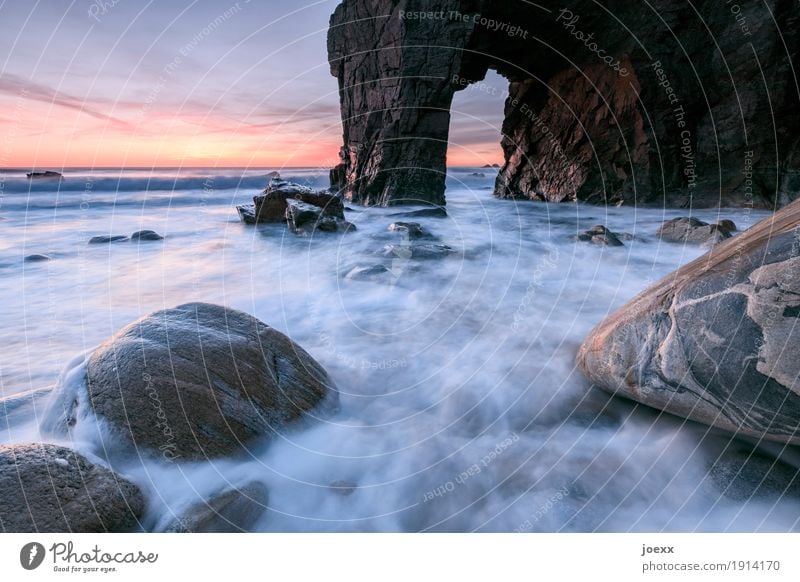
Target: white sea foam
x=436, y=371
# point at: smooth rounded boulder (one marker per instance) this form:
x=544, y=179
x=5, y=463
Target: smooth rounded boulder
x=48, y=488
x=198, y=381
x=717, y=340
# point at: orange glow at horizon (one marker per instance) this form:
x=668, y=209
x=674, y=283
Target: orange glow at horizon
x=39, y=135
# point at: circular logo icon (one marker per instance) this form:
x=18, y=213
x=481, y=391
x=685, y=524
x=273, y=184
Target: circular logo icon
x=31, y=555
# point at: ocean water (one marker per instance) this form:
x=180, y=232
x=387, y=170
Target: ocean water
x=461, y=406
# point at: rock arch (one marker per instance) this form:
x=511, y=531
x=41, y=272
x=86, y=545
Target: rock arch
x=649, y=104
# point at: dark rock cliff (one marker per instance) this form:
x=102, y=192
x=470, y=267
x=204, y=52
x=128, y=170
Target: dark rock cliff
x=660, y=102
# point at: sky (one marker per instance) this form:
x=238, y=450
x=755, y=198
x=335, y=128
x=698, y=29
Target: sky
x=137, y=83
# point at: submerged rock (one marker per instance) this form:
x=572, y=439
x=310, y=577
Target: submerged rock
x=743, y=475
x=600, y=235
x=378, y=273
x=418, y=251
x=343, y=488
x=230, y=511
x=414, y=230
x=38, y=258
x=146, y=235
x=692, y=230
x=433, y=212
x=715, y=341
x=104, y=239
x=52, y=489
x=196, y=381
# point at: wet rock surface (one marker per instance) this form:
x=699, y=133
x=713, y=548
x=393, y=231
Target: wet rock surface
x=694, y=231
x=196, y=381
x=304, y=218
x=105, y=239
x=231, y=511
x=716, y=340
x=600, y=235
x=146, y=235
x=53, y=489
x=271, y=205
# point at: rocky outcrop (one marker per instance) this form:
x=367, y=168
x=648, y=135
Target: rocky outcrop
x=650, y=105
x=694, y=231
x=395, y=89
x=716, y=341
x=307, y=219
x=52, y=489
x=271, y=207
x=230, y=511
x=195, y=381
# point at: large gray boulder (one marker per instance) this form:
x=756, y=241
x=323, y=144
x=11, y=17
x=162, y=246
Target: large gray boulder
x=717, y=340
x=53, y=489
x=197, y=381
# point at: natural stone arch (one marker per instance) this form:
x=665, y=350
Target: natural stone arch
x=640, y=106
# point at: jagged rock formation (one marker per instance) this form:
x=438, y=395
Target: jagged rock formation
x=715, y=341
x=643, y=103
x=271, y=205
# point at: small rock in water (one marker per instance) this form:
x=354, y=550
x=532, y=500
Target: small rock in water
x=727, y=225
x=692, y=230
x=146, y=235
x=102, y=239
x=600, y=235
x=478, y=175
x=343, y=488
x=418, y=251
x=368, y=273
x=230, y=511
x=37, y=258
x=413, y=229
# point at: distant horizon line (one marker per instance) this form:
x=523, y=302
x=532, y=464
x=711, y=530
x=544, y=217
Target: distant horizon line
x=273, y=168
